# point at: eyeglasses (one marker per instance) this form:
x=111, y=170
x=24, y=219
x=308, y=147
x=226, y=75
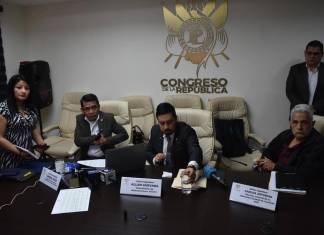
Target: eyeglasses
x=167, y=122
x=87, y=109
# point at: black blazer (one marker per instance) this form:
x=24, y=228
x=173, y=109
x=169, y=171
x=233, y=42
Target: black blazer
x=308, y=159
x=107, y=125
x=185, y=147
x=297, y=88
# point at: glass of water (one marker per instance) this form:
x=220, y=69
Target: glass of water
x=59, y=166
x=185, y=184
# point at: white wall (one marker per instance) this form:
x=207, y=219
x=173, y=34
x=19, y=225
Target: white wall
x=116, y=48
x=13, y=37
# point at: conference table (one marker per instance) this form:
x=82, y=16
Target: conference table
x=206, y=211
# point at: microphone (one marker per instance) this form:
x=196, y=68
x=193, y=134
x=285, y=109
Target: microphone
x=210, y=172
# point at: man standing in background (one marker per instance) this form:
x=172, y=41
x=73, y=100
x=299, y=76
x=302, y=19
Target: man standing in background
x=305, y=82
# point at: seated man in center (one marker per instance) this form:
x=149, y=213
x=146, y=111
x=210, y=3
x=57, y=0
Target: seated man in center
x=174, y=144
x=297, y=150
x=94, y=129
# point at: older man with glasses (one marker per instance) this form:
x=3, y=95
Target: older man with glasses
x=299, y=149
x=94, y=129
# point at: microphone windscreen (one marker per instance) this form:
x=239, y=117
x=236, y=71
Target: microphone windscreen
x=208, y=171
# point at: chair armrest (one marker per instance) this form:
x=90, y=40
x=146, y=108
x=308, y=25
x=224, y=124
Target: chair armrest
x=218, y=145
x=256, y=138
x=50, y=128
x=256, y=142
x=73, y=149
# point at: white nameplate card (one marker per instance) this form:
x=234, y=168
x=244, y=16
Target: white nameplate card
x=254, y=196
x=141, y=186
x=50, y=178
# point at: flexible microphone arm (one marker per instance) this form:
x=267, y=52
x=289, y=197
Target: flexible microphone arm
x=210, y=172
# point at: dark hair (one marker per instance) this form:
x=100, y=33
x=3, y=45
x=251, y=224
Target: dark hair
x=11, y=100
x=165, y=108
x=315, y=43
x=88, y=98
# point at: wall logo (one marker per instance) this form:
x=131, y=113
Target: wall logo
x=196, y=32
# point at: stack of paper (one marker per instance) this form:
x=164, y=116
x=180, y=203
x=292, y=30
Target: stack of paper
x=272, y=186
x=72, y=200
x=200, y=183
x=28, y=152
x=96, y=163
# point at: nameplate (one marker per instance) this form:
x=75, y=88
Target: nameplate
x=254, y=196
x=50, y=178
x=141, y=186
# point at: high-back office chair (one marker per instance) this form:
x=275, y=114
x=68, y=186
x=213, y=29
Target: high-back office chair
x=184, y=101
x=142, y=112
x=201, y=122
x=230, y=108
x=122, y=115
x=63, y=146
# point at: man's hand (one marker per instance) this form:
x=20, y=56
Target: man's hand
x=266, y=164
x=191, y=173
x=159, y=157
x=101, y=141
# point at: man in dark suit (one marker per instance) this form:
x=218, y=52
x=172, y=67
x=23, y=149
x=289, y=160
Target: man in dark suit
x=93, y=132
x=305, y=82
x=174, y=144
x=297, y=150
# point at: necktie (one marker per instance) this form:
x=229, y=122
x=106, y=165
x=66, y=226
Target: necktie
x=168, y=161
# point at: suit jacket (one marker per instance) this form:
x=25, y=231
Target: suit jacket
x=297, y=88
x=185, y=146
x=308, y=159
x=107, y=125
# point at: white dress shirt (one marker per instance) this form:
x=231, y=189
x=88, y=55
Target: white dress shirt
x=94, y=150
x=312, y=83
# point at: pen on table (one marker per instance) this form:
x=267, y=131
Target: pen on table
x=125, y=216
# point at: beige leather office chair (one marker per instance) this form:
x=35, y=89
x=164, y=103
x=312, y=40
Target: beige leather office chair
x=319, y=124
x=228, y=108
x=142, y=112
x=122, y=115
x=184, y=101
x=63, y=146
x=201, y=122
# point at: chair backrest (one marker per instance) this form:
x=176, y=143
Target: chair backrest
x=201, y=122
x=228, y=108
x=142, y=112
x=70, y=109
x=122, y=115
x=184, y=101
x=319, y=124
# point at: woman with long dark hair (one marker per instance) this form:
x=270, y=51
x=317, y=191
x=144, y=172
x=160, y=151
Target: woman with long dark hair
x=18, y=123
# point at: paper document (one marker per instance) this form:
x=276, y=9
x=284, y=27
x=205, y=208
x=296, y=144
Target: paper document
x=72, y=200
x=96, y=163
x=27, y=151
x=166, y=174
x=272, y=186
x=200, y=183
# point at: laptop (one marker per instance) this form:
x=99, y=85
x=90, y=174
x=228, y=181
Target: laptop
x=290, y=181
x=127, y=159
